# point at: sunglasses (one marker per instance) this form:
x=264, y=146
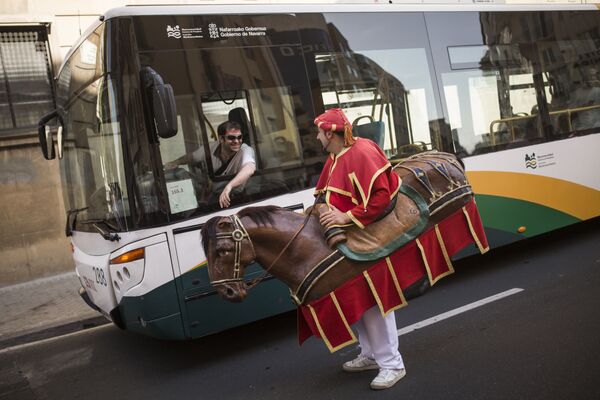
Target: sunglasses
x=232, y=138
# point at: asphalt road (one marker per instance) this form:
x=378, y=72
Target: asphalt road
x=539, y=343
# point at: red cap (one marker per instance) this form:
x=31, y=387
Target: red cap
x=335, y=120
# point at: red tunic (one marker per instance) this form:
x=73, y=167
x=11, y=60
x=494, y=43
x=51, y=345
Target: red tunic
x=358, y=181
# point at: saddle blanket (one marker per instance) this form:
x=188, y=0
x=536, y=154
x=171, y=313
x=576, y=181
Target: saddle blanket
x=404, y=223
x=331, y=316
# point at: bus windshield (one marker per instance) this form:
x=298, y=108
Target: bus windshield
x=93, y=168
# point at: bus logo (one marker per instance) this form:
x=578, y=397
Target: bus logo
x=530, y=161
x=174, y=32
x=213, y=32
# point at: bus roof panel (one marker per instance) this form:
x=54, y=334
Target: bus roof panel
x=134, y=10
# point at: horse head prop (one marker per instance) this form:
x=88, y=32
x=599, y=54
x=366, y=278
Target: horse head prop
x=286, y=244
x=231, y=252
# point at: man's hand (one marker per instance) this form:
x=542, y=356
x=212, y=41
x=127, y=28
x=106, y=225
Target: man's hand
x=224, y=199
x=333, y=216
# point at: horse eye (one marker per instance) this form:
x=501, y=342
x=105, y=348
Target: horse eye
x=222, y=253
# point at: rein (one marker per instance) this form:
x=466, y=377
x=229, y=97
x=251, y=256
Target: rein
x=256, y=281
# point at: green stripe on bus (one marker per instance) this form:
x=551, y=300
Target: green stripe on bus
x=508, y=215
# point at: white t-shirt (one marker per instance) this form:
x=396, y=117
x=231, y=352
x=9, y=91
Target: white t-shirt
x=244, y=156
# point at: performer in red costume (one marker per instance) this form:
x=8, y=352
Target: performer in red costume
x=358, y=183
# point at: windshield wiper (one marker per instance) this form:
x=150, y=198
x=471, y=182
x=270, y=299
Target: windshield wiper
x=106, y=234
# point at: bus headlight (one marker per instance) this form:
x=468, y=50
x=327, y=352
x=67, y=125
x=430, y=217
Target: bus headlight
x=130, y=256
x=127, y=271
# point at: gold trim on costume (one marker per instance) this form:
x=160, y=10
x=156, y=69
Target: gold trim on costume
x=319, y=328
x=354, y=180
x=395, y=192
x=343, y=317
x=474, y=234
x=343, y=151
x=397, y=285
x=374, y=292
x=353, y=218
x=424, y=257
x=445, y=253
x=324, y=337
x=343, y=193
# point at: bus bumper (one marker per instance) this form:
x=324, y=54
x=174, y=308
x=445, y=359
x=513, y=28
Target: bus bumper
x=83, y=294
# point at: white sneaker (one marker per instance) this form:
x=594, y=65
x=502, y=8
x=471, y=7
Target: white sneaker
x=387, y=378
x=360, y=363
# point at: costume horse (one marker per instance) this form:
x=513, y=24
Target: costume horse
x=272, y=236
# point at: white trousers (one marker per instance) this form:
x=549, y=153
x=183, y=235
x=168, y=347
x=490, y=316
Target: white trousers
x=378, y=338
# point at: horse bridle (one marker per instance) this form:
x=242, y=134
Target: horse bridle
x=238, y=234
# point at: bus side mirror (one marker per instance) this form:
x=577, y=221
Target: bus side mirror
x=45, y=136
x=163, y=106
x=162, y=101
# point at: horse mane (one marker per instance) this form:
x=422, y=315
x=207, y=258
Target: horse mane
x=259, y=215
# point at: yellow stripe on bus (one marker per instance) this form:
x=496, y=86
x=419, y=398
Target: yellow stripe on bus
x=571, y=198
x=202, y=264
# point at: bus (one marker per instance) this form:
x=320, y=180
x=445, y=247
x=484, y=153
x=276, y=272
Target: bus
x=514, y=91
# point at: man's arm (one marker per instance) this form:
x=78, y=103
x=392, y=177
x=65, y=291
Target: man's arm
x=362, y=214
x=184, y=159
x=240, y=178
x=188, y=158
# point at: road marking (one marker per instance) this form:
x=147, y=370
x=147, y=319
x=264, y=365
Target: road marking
x=403, y=331
x=456, y=311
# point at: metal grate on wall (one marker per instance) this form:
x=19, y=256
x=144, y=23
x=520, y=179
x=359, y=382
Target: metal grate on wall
x=26, y=91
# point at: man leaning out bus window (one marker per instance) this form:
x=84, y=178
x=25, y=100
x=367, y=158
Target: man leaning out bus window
x=229, y=157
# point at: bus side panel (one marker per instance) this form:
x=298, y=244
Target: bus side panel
x=210, y=314
x=156, y=314
x=524, y=199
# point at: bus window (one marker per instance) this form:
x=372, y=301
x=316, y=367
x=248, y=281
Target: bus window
x=383, y=85
x=276, y=129
x=516, y=87
x=385, y=94
x=573, y=67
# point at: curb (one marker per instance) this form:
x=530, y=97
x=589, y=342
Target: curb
x=53, y=331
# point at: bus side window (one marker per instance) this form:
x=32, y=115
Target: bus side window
x=277, y=134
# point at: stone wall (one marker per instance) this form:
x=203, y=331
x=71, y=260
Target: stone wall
x=32, y=215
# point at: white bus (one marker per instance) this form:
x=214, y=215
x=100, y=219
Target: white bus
x=513, y=90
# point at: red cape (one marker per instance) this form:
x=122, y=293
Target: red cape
x=358, y=181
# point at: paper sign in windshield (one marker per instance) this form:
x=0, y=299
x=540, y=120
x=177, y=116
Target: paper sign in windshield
x=181, y=196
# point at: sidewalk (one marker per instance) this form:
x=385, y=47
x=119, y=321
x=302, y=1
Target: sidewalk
x=43, y=308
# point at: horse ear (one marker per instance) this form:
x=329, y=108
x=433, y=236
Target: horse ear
x=223, y=222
